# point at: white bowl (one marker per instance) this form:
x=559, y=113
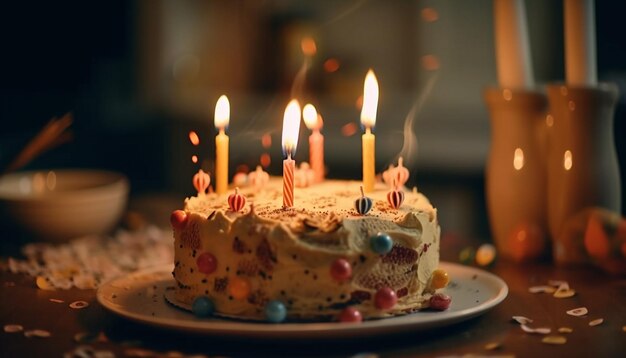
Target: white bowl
x=58, y=205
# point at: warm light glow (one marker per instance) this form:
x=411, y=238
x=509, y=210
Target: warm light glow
x=51, y=180
x=430, y=62
x=370, y=100
x=309, y=48
x=549, y=120
x=265, y=160
x=429, y=14
x=194, y=158
x=193, y=138
x=567, y=160
x=310, y=116
x=291, y=128
x=518, y=159
x=331, y=65
x=266, y=140
x=348, y=129
x=222, y=113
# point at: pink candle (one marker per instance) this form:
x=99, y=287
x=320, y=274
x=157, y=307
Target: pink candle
x=314, y=122
x=289, y=166
x=291, y=127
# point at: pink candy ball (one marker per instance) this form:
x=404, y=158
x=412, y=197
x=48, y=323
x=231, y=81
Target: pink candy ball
x=385, y=298
x=178, y=219
x=207, y=263
x=350, y=314
x=440, y=301
x=341, y=270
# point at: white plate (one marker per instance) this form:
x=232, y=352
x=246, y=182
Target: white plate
x=140, y=297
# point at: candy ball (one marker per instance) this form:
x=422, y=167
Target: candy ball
x=440, y=301
x=350, y=314
x=381, y=243
x=485, y=255
x=239, y=288
x=385, y=298
x=207, y=263
x=236, y=201
x=439, y=279
x=395, y=198
x=275, y=311
x=178, y=219
x=203, y=306
x=363, y=204
x=466, y=256
x=341, y=270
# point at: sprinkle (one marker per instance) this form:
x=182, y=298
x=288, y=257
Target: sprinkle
x=492, y=346
x=564, y=293
x=558, y=283
x=56, y=300
x=596, y=322
x=541, y=289
x=542, y=330
x=522, y=319
x=577, y=312
x=44, y=284
x=13, y=328
x=554, y=340
x=566, y=330
x=78, y=305
x=40, y=333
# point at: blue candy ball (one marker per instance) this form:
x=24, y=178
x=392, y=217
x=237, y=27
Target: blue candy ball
x=381, y=243
x=203, y=306
x=275, y=311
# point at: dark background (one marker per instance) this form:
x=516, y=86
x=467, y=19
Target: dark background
x=109, y=63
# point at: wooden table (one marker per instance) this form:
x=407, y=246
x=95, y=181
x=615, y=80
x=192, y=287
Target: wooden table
x=605, y=297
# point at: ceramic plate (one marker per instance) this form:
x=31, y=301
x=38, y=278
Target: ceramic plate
x=140, y=297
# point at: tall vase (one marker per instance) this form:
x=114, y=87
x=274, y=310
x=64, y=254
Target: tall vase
x=515, y=173
x=582, y=163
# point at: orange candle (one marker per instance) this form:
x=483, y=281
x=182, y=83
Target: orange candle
x=314, y=122
x=291, y=127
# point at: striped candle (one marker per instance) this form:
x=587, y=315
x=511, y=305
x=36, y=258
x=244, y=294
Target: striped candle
x=289, y=166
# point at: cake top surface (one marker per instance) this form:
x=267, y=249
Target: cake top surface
x=331, y=198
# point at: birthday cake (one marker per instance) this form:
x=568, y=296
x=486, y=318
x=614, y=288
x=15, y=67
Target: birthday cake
x=327, y=258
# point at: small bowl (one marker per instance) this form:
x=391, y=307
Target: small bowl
x=59, y=205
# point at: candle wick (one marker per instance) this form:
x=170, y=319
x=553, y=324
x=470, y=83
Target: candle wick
x=222, y=130
x=368, y=130
x=362, y=193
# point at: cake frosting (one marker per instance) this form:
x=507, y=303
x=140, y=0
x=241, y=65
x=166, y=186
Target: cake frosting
x=243, y=260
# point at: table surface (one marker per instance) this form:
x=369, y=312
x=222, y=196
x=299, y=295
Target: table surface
x=21, y=302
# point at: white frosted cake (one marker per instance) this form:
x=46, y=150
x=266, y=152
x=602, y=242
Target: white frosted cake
x=318, y=258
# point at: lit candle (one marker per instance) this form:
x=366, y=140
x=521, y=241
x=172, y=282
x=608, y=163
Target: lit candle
x=314, y=122
x=580, y=43
x=368, y=120
x=512, y=50
x=222, y=117
x=291, y=128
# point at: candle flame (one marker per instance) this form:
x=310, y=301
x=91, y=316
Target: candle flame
x=222, y=112
x=370, y=100
x=310, y=116
x=291, y=128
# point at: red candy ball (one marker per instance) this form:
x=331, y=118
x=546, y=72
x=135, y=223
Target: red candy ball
x=178, y=219
x=207, y=263
x=341, y=270
x=385, y=298
x=350, y=314
x=440, y=301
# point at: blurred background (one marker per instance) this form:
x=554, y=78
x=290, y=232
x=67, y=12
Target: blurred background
x=140, y=75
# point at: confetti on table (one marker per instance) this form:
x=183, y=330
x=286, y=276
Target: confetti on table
x=596, y=322
x=138, y=352
x=39, y=333
x=554, y=340
x=558, y=283
x=56, y=300
x=541, y=289
x=564, y=293
x=78, y=304
x=13, y=328
x=492, y=346
x=565, y=330
x=522, y=319
x=541, y=330
x=578, y=312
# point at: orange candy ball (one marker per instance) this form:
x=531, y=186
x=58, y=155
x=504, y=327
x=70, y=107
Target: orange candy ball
x=239, y=288
x=439, y=279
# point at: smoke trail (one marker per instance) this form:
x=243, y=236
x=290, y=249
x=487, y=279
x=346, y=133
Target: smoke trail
x=409, y=146
x=354, y=7
x=300, y=80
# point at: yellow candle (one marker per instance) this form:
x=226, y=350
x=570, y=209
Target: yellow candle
x=368, y=119
x=222, y=117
